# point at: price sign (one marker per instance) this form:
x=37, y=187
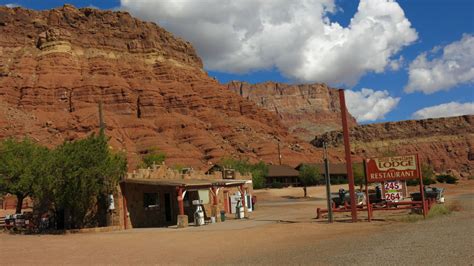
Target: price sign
x=393, y=190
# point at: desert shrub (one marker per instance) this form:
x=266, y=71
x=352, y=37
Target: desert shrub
x=449, y=179
x=154, y=156
x=276, y=184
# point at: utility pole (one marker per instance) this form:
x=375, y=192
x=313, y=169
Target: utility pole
x=328, y=183
x=279, y=153
x=347, y=148
x=101, y=118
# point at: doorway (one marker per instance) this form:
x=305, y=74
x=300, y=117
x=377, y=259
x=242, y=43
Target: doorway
x=168, y=207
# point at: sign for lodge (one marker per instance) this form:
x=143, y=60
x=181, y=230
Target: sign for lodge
x=392, y=168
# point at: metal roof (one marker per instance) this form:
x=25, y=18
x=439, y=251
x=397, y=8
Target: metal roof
x=281, y=171
x=185, y=182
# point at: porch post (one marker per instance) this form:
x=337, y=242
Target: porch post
x=182, y=218
x=180, y=201
x=214, y=196
x=242, y=196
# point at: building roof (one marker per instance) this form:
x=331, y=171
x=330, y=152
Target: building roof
x=281, y=171
x=185, y=182
x=334, y=168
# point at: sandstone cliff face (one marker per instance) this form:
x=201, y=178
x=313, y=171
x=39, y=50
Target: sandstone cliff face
x=307, y=110
x=445, y=143
x=57, y=65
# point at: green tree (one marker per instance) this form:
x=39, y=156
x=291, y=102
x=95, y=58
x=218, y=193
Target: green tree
x=309, y=175
x=359, y=175
x=22, y=164
x=153, y=157
x=259, y=171
x=85, y=172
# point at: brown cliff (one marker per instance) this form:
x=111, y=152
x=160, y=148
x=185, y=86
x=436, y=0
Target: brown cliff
x=57, y=65
x=307, y=109
x=445, y=143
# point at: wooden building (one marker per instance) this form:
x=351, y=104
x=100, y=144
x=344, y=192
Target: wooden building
x=337, y=171
x=283, y=174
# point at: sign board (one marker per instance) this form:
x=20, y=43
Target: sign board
x=392, y=168
x=233, y=201
x=228, y=173
x=393, y=190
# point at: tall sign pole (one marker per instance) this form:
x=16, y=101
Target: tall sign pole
x=347, y=148
x=328, y=183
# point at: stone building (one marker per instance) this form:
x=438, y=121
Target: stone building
x=161, y=196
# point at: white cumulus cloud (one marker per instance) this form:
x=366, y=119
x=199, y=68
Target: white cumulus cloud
x=12, y=5
x=296, y=37
x=370, y=105
x=450, y=66
x=444, y=110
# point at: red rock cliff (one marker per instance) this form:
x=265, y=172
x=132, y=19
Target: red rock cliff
x=307, y=109
x=57, y=65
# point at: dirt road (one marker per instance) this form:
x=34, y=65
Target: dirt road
x=281, y=232
x=439, y=241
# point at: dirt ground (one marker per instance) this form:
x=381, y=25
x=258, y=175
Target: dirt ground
x=281, y=231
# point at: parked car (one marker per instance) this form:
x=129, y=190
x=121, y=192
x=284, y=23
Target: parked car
x=430, y=192
x=18, y=221
x=344, y=196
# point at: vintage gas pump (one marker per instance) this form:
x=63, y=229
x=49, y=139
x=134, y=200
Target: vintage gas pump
x=198, y=214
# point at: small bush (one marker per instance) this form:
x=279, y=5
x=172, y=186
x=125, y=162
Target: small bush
x=437, y=210
x=277, y=184
x=426, y=181
x=451, y=179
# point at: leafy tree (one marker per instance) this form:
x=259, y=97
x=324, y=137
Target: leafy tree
x=85, y=172
x=153, y=157
x=22, y=164
x=359, y=175
x=259, y=171
x=309, y=175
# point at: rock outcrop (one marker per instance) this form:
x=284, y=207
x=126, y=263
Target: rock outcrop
x=445, y=143
x=307, y=109
x=57, y=65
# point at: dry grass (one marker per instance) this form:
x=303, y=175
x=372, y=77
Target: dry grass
x=436, y=211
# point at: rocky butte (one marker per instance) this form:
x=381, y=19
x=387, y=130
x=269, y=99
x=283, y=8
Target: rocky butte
x=57, y=65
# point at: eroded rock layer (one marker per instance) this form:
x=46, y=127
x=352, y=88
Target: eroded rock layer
x=307, y=109
x=57, y=65
x=445, y=143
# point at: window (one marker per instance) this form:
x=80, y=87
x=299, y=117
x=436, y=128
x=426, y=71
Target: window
x=204, y=195
x=151, y=201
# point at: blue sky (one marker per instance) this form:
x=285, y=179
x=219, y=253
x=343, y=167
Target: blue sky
x=433, y=23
